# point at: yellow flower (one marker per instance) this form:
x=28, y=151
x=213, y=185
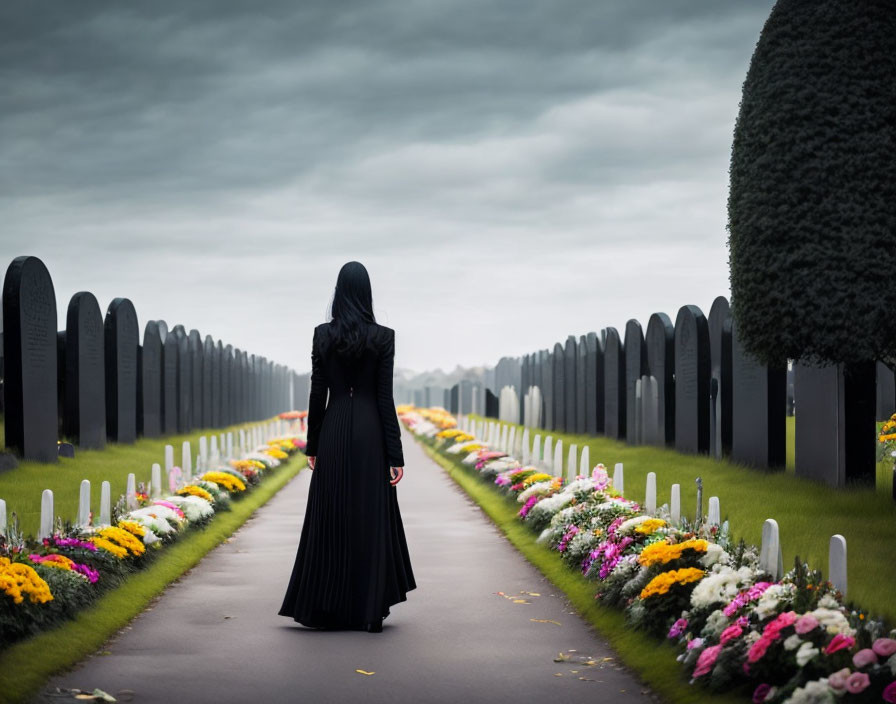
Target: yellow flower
x=193, y=490
x=228, y=481
x=662, y=553
x=650, y=525
x=110, y=547
x=275, y=453
x=18, y=580
x=123, y=539
x=537, y=477
x=662, y=583
x=132, y=527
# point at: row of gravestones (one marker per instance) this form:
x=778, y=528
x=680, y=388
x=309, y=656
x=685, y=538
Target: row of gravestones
x=690, y=385
x=94, y=381
x=549, y=457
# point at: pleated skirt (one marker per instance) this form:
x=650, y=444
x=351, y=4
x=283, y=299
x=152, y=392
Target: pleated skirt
x=352, y=563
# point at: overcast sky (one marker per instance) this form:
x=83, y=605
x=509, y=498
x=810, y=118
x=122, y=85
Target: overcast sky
x=510, y=172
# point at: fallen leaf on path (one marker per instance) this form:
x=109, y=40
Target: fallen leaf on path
x=365, y=672
x=586, y=679
x=521, y=601
x=530, y=593
x=545, y=620
x=561, y=658
x=558, y=674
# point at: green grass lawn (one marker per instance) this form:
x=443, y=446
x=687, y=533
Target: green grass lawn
x=26, y=666
x=21, y=487
x=807, y=513
x=653, y=660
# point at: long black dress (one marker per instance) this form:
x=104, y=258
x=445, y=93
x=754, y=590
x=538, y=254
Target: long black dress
x=352, y=563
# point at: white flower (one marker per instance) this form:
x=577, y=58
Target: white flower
x=833, y=621
x=715, y=624
x=627, y=526
x=472, y=458
x=149, y=537
x=828, y=602
x=719, y=587
x=536, y=488
x=793, y=642
x=714, y=554
x=806, y=653
x=816, y=692
x=773, y=597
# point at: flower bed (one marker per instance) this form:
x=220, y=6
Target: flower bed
x=790, y=640
x=43, y=583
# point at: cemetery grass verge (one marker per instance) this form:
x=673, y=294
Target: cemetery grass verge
x=808, y=513
x=26, y=666
x=653, y=661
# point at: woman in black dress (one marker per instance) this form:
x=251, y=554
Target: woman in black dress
x=352, y=563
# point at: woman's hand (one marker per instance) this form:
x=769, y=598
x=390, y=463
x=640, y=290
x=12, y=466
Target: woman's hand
x=311, y=461
x=396, y=473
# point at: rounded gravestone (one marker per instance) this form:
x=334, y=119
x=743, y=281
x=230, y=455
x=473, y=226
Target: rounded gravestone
x=217, y=361
x=122, y=337
x=581, y=385
x=594, y=384
x=692, y=367
x=635, y=368
x=720, y=377
x=235, y=386
x=208, y=366
x=196, y=375
x=184, y=381
x=570, y=384
x=614, y=386
x=171, y=360
x=660, y=343
x=547, y=378
x=84, y=405
x=226, y=385
x=559, y=360
x=30, y=360
x=151, y=386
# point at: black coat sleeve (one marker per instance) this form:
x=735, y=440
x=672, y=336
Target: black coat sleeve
x=385, y=402
x=317, y=399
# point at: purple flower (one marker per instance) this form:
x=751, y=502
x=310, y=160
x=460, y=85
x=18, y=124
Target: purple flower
x=760, y=694
x=678, y=628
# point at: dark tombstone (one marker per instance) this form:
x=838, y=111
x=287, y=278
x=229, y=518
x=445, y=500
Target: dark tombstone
x=491, y=404
x=547, y=377
x=30, y=360
x=217, y=363
x=559, y=387
x=235, y=390
x=149, y=410
x=170, y=359
x=226, y=384
x=208, y=366
x=790, y=400
x=660, y=343
x=184, y=381
x=163, y=330
x=720, y=369
x=525, y=383
x=594, y=384
x=122, y=337
x=570, y=358
x=66, y=449
x=635, y=368
x=581, y=390
x=454, y=401
x=692, y=367
x=196, y=374
x=60, y=382
x=835, y=428
x=245, y=385
x=615, y=416
x=84, y=414
x=886, y=392
x=758, y=421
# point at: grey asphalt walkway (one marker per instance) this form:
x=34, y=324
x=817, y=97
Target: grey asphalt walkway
x=215, y=636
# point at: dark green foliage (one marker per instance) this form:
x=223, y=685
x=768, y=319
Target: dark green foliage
x=812, y=201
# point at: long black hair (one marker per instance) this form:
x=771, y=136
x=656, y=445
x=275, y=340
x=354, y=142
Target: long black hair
x=351, y=311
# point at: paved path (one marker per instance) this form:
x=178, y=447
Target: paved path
x=215, y=636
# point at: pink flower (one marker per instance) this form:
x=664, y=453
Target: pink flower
x=757, y=650
x=837, y=680
x=695, y=643
x=678, y=628
x=707, y=660
x=730, y=633
x=863, y=658
x=884, y=647
x=857, y=682
x=761, y=693
x=889, y=694
x=839, y=642
x=805, y=623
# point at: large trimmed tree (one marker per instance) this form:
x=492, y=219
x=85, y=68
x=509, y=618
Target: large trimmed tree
x=812, y=202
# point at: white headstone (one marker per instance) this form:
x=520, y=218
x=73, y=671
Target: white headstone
x=511, y=442
x=221, y=444
x=203, y=452
x=47, y=517
x=169, y=457
x=186, y=463
x=558, y=459
x=770, y=558
x=131, y=492
x=2, y=517
x=714, y=514
x=242, y=447
x=229, y=455
x=536, y=451
x=619, y=478
x=174, y=479
x=526, y=449
x=504, y=444
x=548, y=454
x=215, y=455
x=84, y=503
x=585, y=463
x=571, y=465
x=156, y=481
x=675, y=504
x=650, y=496
x=105, y=504
x=837, y=563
